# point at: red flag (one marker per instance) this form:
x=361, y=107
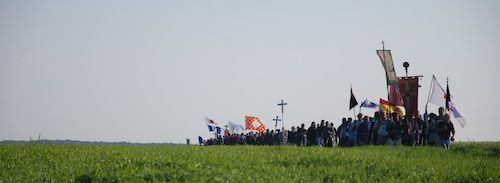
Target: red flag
x=395, y=96
x=384, y=106
x=353, y=102
x=254, y=123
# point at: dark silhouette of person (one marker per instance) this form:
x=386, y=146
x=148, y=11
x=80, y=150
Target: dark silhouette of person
x=302, y=135
x=311, y=134
x=444, y=129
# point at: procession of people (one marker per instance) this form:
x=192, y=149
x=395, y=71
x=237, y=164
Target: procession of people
x=379, y=129
x=397, y=121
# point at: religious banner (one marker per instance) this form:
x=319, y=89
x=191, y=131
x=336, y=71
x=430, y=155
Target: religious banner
x=386, y=60
x=408, y=86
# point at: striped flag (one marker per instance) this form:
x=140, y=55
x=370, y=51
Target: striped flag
x=386, y=107
x=213, y=126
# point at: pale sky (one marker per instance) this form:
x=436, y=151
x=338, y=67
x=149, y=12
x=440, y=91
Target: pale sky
x=150, y=71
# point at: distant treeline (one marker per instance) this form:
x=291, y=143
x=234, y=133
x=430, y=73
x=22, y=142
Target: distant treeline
x=46, y=141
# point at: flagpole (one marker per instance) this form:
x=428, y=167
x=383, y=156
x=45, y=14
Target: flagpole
x=430, y=89
x=448, y=96
x=282, y=104
x=362, y=104
x=426, y=115
x=387, y=87
x=354, y=109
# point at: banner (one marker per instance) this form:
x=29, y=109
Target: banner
x=408, y=86
x=386, y=59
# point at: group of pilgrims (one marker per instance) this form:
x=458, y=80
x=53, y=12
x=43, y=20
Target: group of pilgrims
x=379, y=129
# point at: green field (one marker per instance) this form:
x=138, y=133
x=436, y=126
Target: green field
x=464, y=162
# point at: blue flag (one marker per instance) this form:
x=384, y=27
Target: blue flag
x=213, y=126
x=369, y=104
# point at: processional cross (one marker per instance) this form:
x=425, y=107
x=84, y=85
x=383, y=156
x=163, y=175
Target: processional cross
x=282, y=104
x=276, y=122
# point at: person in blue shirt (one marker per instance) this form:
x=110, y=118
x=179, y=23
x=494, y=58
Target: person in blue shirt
x=372, y=131
x=362, y=131
x=350, y=132
x=381, y=130
x=432, y=135
x=342, y=134
x=354, y=127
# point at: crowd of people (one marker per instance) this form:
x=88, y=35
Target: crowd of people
x=381, y=129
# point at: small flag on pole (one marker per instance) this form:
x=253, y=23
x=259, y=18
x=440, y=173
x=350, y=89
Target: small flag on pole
x=369, y=104
x=353, y=102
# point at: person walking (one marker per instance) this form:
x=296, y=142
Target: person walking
x=445, y=128
x=395, y=130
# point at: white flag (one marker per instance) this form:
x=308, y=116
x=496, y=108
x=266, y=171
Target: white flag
x=236, y=128
x=438, y=97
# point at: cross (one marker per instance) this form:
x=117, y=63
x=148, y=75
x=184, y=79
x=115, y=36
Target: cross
x=282, y=104
x=276, y=120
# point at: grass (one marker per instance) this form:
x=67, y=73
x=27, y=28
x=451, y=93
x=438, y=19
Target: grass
x=464, y=162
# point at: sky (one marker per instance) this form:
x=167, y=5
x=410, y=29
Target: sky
x=150, y=71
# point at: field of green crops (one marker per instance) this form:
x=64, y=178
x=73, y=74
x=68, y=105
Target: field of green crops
x=464, y=162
